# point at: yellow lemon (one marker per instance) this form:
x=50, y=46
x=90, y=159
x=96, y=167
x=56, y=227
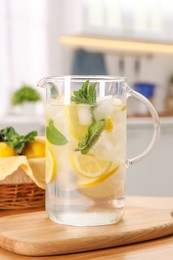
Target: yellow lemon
x=35, y=149
x=83, y=182
x=108, y=186
x=76, y=128
x=51, y=166
x=59, y=97
x=6, y=150
x=123, y=108
x=88, y=165
x=109, y=125
x=120, y=108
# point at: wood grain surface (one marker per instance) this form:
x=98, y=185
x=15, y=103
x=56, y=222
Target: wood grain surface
x=33, y=234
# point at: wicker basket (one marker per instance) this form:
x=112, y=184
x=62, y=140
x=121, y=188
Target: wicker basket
x=18, y=190
x=21, y=196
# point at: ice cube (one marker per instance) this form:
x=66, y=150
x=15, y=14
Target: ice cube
x=117, y=101
x=110, y=146
x=85, y=115
x=54, y=105
x=105, y=107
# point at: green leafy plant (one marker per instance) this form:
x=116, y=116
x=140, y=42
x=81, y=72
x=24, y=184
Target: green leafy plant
x=17, y=141
x=25, y=94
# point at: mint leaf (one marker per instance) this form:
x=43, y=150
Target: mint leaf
x=92, y=93
x=7, y=133
x=91, y=137
x=22, y=140
x=86, y=94
x=53, y=90
x=17, y=141
x=54, y=136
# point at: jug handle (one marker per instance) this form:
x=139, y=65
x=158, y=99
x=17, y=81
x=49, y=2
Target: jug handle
x=156, y=131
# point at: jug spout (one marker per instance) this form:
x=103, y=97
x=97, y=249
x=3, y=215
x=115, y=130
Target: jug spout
x=42, y=82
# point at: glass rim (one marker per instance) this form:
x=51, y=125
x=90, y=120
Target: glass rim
x=82, y=78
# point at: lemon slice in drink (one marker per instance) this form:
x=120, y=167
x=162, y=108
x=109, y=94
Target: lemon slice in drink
x=109, y=125
x=77, y=129
x=108, y=186
x=51, y=166
x=86, y=183
x=59, y=97
x=120, y=108
x=88, y=165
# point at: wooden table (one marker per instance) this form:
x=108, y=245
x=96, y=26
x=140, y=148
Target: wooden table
x=160, y=249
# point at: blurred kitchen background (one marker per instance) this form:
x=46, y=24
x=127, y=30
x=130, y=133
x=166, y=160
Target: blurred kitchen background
x=112, y=37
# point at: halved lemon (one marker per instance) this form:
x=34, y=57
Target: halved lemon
x=88, y=165
x=76, y=128
x=51, y=166
x=86, y=183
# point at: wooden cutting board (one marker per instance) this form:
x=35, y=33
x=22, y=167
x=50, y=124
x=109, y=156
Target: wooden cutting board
x=33, y=234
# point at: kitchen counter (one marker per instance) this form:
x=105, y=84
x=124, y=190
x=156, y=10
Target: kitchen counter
x=157, y=249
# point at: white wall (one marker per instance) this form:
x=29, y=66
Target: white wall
x=156, y=69
x=153, y=175
x=42, y=55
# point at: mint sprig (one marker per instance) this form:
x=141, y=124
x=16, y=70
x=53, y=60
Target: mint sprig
x=17, y=141
x=54, y=136
x=85, y=95
x=91, y=137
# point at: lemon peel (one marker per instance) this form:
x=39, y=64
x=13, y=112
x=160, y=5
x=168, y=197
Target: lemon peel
x=85, y=183
x=109, y=125
x=51, y=166
x=77, y=130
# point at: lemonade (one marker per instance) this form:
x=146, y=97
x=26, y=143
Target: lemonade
x=85, y=160
x=86, y=147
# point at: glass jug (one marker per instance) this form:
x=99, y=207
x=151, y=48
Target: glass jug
x=86, y=148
